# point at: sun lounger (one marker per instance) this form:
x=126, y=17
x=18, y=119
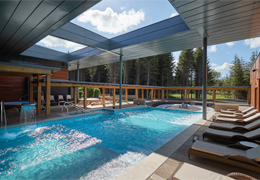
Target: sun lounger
x=238, y=128
x=232, y=112
x=239, y=115
x=231, y=136
x=234, y=120
x=248, y=159
x=197, y=173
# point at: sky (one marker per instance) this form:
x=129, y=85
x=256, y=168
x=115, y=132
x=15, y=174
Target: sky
x=111, y=18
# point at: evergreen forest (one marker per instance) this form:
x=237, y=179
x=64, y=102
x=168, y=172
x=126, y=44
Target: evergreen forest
x=162, y=70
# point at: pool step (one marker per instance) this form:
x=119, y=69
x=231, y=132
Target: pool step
x=107, y=150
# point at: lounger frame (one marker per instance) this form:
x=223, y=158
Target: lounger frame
x=232, y=159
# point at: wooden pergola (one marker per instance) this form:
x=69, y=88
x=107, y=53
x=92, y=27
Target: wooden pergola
x=22, y=70
x=103, y=86
x=8, y=69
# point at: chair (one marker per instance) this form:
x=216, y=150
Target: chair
x=243, y=112
x=231, y=136
x=60, y=98
x=248, y=159
x=52, y=99
x=197, y=173
x=68, y=98
x=234, y=120
x=42, y=100
x=239, y=115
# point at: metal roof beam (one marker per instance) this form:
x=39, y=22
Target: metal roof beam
x=77, y=34
x=46, y=53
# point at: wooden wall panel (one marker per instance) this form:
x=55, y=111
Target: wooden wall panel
x=62, y=74
x=12, y=88
x=254, y=80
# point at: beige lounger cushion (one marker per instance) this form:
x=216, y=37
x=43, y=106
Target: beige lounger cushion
x=216, y=149
x=227, y=112
x=246, y=120
x=247, y=110
x=237, y=115
x=228, y=115
x=195, y=172
x=227, y=119
x=250, y=113
x=251, y=118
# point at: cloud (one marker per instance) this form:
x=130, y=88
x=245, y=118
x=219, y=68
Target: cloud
x=214, y=65
x=254, y=42
x=111, y=22
x=230, y=44
x=174, y=14
x=51, y=41
x=176, y=55
x=225, y=67
x=212, y=49
x=122, y=8
x=194, y=49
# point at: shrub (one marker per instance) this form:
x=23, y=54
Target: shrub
x=93, y=92
x=90, y=92
x=80, y=94
x=96, y=92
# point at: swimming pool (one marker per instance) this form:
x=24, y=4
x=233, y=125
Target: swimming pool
x=101, y=146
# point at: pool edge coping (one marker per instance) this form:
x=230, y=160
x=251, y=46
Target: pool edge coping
x=148, y=166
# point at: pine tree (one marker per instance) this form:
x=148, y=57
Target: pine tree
x=252, y=58
x=197, y=65
x=165, y=69
x=237, y=76
x=101, y=74
x=184, y=68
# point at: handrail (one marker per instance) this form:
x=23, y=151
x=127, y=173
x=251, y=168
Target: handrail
x=27, y=95
x=73, y=105
x=3, y=113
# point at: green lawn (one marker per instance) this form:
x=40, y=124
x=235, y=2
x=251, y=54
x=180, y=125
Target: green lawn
x=209, y=96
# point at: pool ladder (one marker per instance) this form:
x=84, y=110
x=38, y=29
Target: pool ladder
x=73, y=105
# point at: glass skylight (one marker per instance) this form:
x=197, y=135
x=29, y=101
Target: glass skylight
x=111, y=18
x=60, y=44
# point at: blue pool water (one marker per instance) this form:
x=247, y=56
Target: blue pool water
x=101, y=146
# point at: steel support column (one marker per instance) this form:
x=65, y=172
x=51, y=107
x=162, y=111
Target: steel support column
x=204, y=81
x=76, y=99
x=120, y=81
